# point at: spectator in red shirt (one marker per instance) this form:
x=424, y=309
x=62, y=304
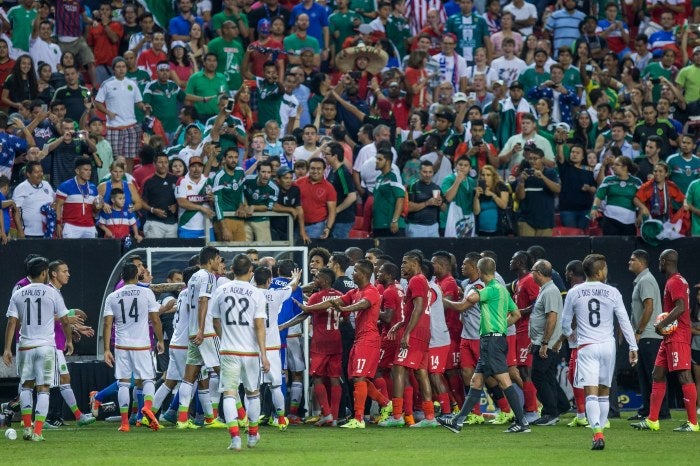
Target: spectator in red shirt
x=147, y=168
x=103, y=37
x=319, y=200
x=148, y=59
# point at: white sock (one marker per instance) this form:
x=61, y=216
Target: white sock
x=604, y=404
x=26, y=399
x=148, y=388
x=593, y=410
x=123, y=396
x=68, y=396
x=185, y=396
x=252, y=405
x=296, y=393
x=214, y=393
x=42, y=404
x=160, y=396
x=205, y=401
x=277, y=400
x=230, y=411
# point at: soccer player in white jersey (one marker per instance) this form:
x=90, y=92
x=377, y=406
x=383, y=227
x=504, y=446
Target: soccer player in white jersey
x=439, y=346
x=203, y=347
x=59, y=274
x=178, y=346
x=34, y=308
x=238, y=311
x=131, y=308
x=594, y=305
x=275, y=298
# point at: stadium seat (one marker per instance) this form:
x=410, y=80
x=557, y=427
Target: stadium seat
x=567, y=231
x=358, y=234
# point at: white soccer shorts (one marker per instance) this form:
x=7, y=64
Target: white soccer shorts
x=595, y=365
x=136, y=362
x=295, y=355
x=176, y=366
x=37, y=364
x=237, y=369
x=206, y=354
x=60, y=369
x=274, y=377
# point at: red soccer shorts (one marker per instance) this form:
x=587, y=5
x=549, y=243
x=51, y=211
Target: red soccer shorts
x=438, y=359
x=674, y=356
x=454, y=357
x=469, y=353
x=522, y=347
x=572, y=366
x=387, y=353
x=512, y=356
x=415, y=356
x=326, y=365
x=363, y=361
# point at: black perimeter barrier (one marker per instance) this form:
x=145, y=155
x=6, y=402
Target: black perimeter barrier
x=91, y=263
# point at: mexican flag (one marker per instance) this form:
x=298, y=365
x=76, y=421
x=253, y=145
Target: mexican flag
x=162, y=10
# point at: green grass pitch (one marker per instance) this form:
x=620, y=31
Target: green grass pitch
x=102, y=444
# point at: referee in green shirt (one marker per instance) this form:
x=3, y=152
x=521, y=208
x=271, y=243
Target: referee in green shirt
x=498, y=311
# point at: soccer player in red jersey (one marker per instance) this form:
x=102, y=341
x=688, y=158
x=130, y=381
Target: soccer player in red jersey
x=391, y=313
x=674, y=353
x=526, y=291
x=414, y=338
x=364, y=356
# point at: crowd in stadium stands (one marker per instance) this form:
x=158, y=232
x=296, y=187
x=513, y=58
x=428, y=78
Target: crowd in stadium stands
x=357, y=117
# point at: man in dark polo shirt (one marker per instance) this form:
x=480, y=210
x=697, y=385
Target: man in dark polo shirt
x=159, y=201
x=424, y=203
x=73, y=94
x=341, y=179
x=288, y=201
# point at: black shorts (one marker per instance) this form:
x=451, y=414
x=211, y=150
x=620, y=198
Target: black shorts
x=492, y=357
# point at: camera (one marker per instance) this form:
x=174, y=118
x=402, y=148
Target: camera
x=530, y=171
x=229, y=105
x=482, y=184
x=355, y=75
x=655, y=81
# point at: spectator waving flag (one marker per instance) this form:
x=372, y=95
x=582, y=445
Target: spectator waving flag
x=162, y=10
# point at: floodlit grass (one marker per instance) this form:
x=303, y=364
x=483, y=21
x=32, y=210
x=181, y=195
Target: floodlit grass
x=102, y=444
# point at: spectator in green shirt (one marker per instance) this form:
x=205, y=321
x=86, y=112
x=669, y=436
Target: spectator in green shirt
x=389, y=197
x=204, y=87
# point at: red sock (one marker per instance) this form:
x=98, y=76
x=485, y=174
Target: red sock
x=360, y=398
x=397, y=404
x=38, y=427
x=690, y=397
x=503, y=405
x=457, y=389
x=148, y=404
x=477, y=408
x=322, y=398
x=253, y=430
x=658, y=390
x=234, y=431
x=336, y=395
x=429, y=410
x=214, y=411
x=408, y=400
x=580, y=399
x=27, y=420
x=77, y=413
x=181, y=416
x=376, y=395
x=380, y=383
x=389, y=383
x=241, y=412
x=444, y=399
x=530, y=395
x=125, y=418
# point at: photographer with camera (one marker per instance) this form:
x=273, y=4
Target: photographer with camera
x=536, y=189
x=511, y=154
x=64, y=150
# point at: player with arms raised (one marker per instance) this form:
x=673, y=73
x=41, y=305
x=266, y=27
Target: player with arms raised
x=238, y=312
x=35, y=306
x=131, y=308
x=674, y=352
x=595, y=304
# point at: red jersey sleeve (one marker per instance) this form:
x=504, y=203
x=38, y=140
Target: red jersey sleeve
x=677, y=289
x=349, y=297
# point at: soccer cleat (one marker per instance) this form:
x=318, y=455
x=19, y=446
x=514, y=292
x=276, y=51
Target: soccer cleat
x=393, y=422
x=517, y=428
x=37, y=437
x=169, y=417
x=325, y=421
x=385, y=412
x=455, y=410
x=282, y=423
x=408, y=419
x=214, y=424
x=474, y=419
x=598, y=444
x=450, y=423
x=94, y=404
x=235, y=444
x=532, y=416
x=636, y=417
x=578, y=422
x=687, y=427
x=646, y=424
x=502, y=418
x=86, y=419
x=243, y=423
x=253, y=440
x=143, y=422
x=418, y=416
x=545, y=420
x=151, y=418
x=353, y=424
x=426, y=423
x=188, y=424
x=27, y=435
x=124, y=428
x=296, y=420
x=57, y=422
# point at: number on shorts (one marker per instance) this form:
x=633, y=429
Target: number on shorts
x=241, y=306
x=455, y=358
x=381, y=354
x=332, y=319
x=361, y=365
x=28, y=302
x=523, y=354
x=403, y=352
x=594, y=312
x=434, y=361
x=674, y=356
x=133, y=310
